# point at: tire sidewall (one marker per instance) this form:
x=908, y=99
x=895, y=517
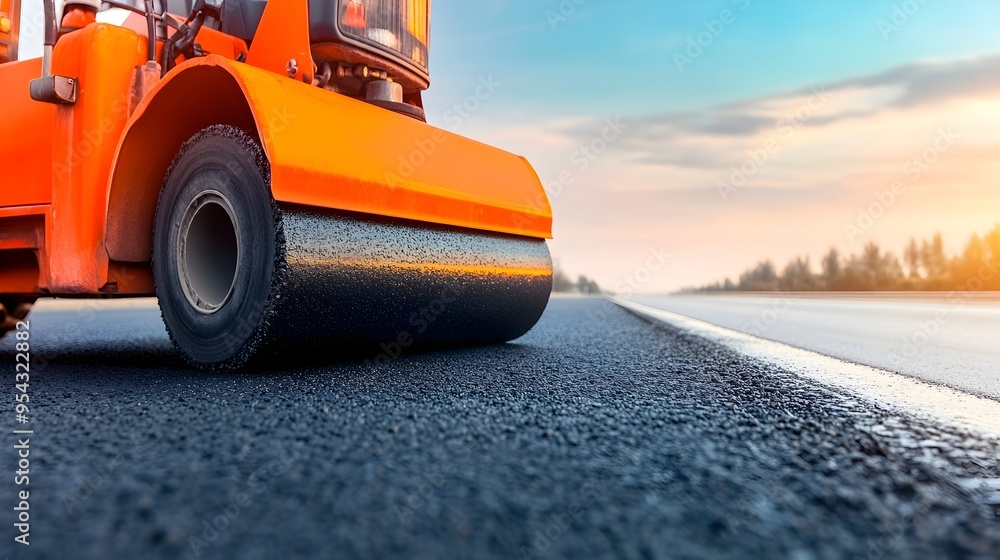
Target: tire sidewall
x=217, y=160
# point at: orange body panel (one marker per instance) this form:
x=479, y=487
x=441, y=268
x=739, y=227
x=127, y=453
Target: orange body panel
x=333, y=151
x=336, y=152
x=26, y=144
x=102, y=58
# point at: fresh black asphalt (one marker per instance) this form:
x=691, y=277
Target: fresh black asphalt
x=597, y=435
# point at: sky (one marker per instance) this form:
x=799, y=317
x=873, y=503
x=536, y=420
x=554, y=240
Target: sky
x=715, y=134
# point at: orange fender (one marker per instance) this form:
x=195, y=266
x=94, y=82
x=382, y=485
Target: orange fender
x=325, y=150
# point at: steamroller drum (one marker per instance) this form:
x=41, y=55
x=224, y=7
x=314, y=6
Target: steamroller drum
x=242, y=279
x=12, y=310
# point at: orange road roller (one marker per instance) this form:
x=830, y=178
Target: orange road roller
x=261, y=167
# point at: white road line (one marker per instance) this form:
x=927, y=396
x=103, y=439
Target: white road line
x=890, y=390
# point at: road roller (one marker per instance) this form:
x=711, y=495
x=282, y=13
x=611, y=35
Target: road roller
x=265, y=169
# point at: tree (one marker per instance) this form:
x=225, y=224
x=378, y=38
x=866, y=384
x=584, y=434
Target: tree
x=797, y=277
x=912, y=258
x=762, y=278
x=832, y=269
x=933, y=258
x=991, y=259
x=967, y=266
x=587, y=286
x=878, y=270
x=561, y=282
x=979, y=263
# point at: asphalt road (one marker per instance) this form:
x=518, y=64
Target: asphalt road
x=953, y=340
x=598, y=435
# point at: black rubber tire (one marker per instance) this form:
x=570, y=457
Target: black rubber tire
x=12, y=310
x=310, y=282
x=227, y=161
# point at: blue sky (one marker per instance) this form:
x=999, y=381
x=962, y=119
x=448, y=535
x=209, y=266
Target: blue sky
x=561, y=79
x=615, y=55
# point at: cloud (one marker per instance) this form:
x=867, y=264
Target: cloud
x=935, y=82
x=707, y=139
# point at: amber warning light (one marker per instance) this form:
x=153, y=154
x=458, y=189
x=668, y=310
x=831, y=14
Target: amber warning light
x=400, y=25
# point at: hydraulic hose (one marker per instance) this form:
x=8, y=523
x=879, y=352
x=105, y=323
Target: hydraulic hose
x=150, y=31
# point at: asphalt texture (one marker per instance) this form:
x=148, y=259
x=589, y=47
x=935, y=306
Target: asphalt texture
x=597, y=435
x=949, y=339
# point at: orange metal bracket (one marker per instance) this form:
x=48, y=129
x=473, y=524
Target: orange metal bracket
x=281, y=43
x=23, y=228
x=102, y=57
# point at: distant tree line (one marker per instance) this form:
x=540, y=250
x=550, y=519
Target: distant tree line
x=583, y=285
x=924, y=267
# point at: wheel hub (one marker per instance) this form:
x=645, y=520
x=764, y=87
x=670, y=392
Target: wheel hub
x=208, y=251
